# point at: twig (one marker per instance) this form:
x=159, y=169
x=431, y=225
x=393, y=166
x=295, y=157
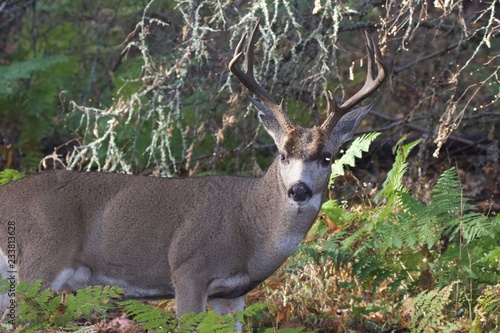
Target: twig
x=426, y=57
x=406, y=124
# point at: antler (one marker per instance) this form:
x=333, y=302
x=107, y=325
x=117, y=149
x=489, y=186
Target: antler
x=372, y=83
x=249, y=81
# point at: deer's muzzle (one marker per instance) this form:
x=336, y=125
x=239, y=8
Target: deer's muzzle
x=300, y=192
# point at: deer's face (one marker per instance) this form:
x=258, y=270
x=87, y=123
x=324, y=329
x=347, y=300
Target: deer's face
x=305, y=157
x=305, y=154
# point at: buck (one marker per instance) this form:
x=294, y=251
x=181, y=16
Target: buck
x=209, y=238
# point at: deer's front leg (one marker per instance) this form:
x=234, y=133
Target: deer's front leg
x=189, y=297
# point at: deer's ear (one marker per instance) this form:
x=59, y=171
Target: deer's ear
x=267, y=119
x=344, y=129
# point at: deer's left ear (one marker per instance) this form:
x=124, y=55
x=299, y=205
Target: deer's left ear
x=344, y=129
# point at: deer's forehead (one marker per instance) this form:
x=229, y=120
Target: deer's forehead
x=306, y=143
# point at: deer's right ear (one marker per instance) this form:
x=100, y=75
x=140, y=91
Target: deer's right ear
x=344, y=129
x=268, y=119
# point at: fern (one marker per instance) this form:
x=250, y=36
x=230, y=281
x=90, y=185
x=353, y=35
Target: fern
x=450, y=207
x=393, y=185
x=190, y=321
x=9, y=175
x=416, y=223
x=392, y=190
x=158, y=320
x=447, y=203
x=212, y=322
x=427, y=310
x=358, y=146
x=150, y=317
x=405, y=244
x=251, y=311
x=11, y=75
x=326, y=245
x=41, y=309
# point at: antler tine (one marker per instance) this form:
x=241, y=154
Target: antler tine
x=249, y=81
x=372, y=83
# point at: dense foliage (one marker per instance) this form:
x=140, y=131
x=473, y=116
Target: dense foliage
x=145, y=84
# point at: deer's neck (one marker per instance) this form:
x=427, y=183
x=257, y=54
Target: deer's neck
x=279, y=223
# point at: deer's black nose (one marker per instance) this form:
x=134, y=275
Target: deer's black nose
x=300, y=192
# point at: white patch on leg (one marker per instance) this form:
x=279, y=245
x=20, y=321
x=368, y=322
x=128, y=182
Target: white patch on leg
x=62, y=278
x=71, y=279
x=80, y=278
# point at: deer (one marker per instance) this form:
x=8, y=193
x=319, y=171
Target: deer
x=196, y=239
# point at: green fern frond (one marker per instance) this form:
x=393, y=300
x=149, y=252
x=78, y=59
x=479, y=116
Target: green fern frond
x=190, y=321
x=394, y=181
x=393, y=186
x=150, y=317
x=447, y=197
x=335, y=212
x=39, y=309
x=427, y=310
x=29, y=290
x=476, y=226
x=358, y=146
x=357, y=237
x=251, y=311
x=394, y=235
x=46, y=301
x=212, y=322
x=320, y=252
x=12, y=74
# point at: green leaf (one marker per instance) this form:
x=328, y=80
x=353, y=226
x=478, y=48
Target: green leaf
x=9, y=75
x=9, y=175
x=360, y=145
x=394, y=180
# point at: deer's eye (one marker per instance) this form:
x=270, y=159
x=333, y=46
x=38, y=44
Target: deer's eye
x=282, y=157
x=326, y=159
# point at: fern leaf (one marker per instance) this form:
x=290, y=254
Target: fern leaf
x=212, y=322
x=251, y=310
x=150, y=317
x=426, y=310
x=10, y=75
x=394, y=180
x=358, y=146
x=476, y=226
x=190, y=321
x=32, y=290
